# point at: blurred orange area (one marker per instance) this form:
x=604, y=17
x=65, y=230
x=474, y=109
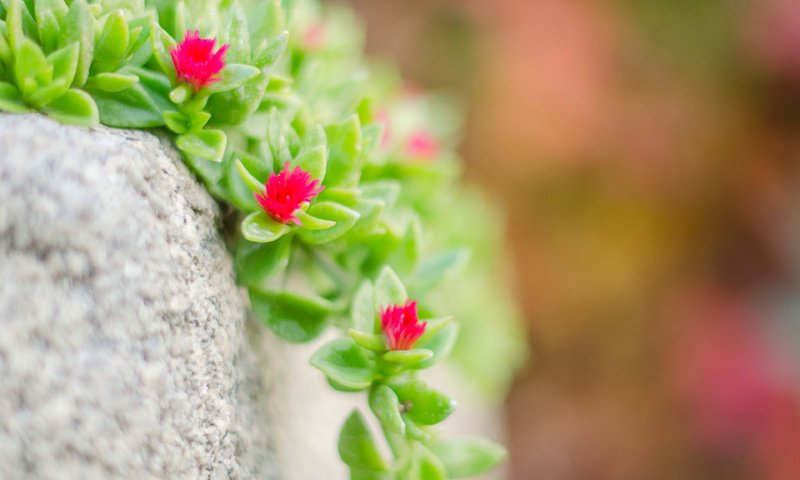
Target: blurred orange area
x=647, y=156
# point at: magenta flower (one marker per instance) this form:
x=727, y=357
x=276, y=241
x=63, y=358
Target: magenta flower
x=401, y=327
x=286, y=192
x=423, y=145
x=314, y=37
x=195, y=61
x=382, y=117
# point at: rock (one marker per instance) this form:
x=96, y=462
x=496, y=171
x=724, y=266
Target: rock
x=122, y=353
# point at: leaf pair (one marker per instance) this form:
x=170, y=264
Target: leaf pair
x=436, y=460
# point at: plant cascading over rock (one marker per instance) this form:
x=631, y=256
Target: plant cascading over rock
x=346, y=184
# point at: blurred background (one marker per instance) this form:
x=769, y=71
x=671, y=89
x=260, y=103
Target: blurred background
x=646, y=154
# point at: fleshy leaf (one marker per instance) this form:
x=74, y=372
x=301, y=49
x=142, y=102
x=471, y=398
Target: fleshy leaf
x=111, y=82
x=112, y=46
x=370, y=341
x=428, y=466
x=363, y=315
x=205, y=144
x=260, y=228
x=358, y=450
x=75, y=107
x=313, y=223
x=440, y=343
x=427, y=406
x=162, y=43
x=344, y=362
x=345, y=153
x=389, y=290
x=407, y=357
x=467, y=456
x=234, y=75
x=79, y=26
x=31, y=69
x=11, y=99
x=178, y=122
x=257, y=262
x=386, y=406
x=335, y=212
x=293, y=317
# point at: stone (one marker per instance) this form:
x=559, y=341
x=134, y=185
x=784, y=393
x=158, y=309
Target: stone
x=122, y=353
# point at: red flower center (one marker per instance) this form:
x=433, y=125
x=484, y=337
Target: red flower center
x=401, y=326
x=286, y=191
x=195, y=60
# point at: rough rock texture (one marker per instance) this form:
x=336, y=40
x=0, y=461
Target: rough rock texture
x=122, y=327
x=123, y=351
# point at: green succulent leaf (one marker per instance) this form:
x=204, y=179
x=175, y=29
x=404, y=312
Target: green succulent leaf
x=242, y=184
x=234, y=75
x=440, y=342
x=112, y=46
x=133, y=107
x=363, y=317
x=48, y=19
x=386, y=407
x=313, y=161
x=467, y=456
x=48, y=93
x=31, y=69
x=386, y=190
x=344, y=362
x=178, y=122
x=11, y=99
x=65, y=63
x=258, y=262
x=293, y=317
x=205, y=144
x=271, y=53
x=389, y=290
x=261, y=228
x=79, y=26
x=161, y=43
x=5, y=53
x=344, y=218
x=311, y=222
x=111, y=82
x=426, y=405
x=19, y=22
x=237, y=35
x=358, y=450
x=427, y=465
x=433, y=269
x=370, y=341
x=269, y=20
x=408, y=357
x=345, y=153
x=180, y=94
x=75, y=107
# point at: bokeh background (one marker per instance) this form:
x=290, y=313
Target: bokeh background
x=646, y=154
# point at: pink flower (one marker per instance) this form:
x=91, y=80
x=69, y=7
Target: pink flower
x=195, y=61
x=422, y=144
x=314, y=37
x=401, y=326
x=286, y=192
x=382, y=117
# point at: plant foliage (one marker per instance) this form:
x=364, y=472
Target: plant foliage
x=390, y=219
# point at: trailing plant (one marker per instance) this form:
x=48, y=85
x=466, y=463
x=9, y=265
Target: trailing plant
x=350, y=210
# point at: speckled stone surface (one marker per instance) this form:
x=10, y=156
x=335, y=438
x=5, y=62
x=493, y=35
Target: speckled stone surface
x=122, y=350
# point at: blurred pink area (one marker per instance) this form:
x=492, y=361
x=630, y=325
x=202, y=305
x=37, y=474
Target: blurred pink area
x=647, y=154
